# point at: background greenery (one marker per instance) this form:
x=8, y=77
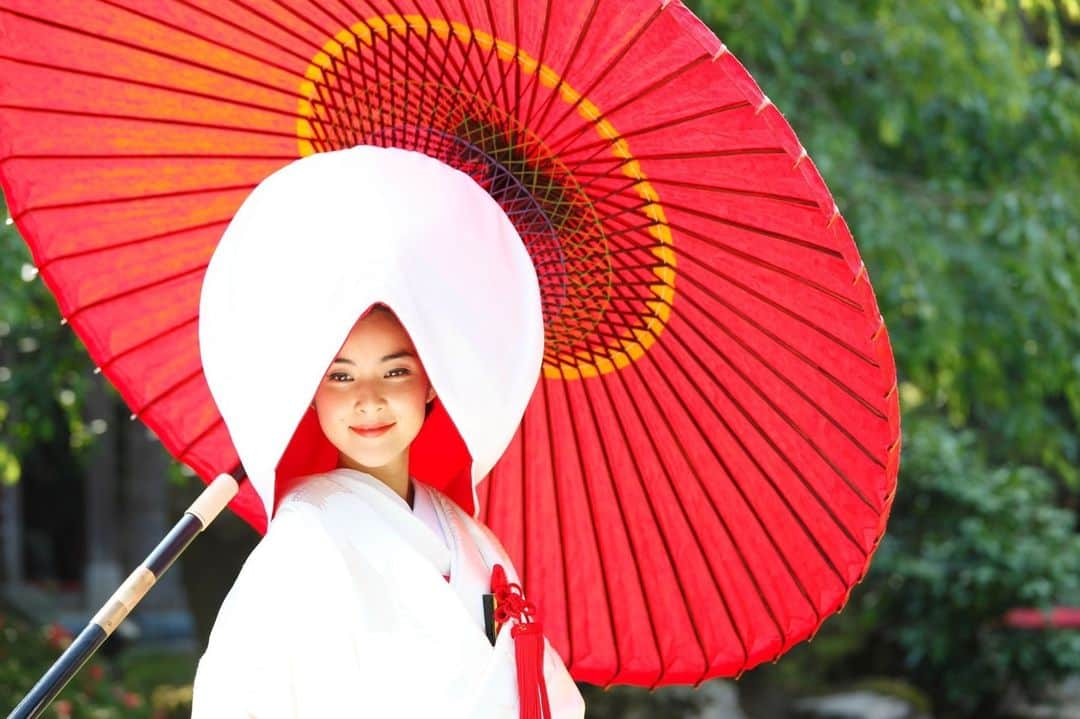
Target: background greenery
x=949, y=134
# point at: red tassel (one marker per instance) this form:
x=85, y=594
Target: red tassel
x=528, y=637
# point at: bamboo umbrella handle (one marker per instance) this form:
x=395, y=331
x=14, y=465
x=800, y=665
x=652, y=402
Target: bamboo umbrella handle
x=206, y=507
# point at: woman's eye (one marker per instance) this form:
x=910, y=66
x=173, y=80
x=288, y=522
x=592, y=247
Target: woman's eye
x=399, y=369
x=334, y=375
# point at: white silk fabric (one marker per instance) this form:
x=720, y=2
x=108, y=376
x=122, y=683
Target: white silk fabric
x=346, y=583
x=320, y=241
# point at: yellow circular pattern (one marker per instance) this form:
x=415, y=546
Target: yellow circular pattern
x=578, y=363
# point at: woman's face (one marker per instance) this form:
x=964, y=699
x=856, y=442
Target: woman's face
x=376, y=379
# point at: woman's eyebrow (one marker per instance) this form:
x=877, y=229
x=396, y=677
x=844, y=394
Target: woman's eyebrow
x=387, y=358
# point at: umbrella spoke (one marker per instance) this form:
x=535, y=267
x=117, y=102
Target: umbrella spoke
x=541, y=56
x=140, y=82
x=135, y=290
x=531, y=120
x=719, y=353
x=152, y=51
x=619, y=162
x=168, y=391
x=128, y=243
x=661, y=527
x=563, y=142
x=187, y=448
x=595, y=523
x=602, y=74
x=134, y=198
x=144, y=118
x=599, y=145
x=148, y=341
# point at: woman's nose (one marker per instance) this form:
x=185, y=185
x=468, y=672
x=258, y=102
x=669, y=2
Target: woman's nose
x=368, y=399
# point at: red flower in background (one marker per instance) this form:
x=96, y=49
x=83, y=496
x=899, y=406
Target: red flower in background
x=57, y=636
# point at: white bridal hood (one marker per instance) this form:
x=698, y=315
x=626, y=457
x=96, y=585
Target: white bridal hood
x=310, y=250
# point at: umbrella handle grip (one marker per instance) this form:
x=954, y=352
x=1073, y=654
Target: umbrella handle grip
x=206, y=507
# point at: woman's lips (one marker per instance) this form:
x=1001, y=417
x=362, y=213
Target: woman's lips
x=372, y=432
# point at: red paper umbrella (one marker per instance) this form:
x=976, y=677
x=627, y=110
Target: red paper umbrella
x=709, y=458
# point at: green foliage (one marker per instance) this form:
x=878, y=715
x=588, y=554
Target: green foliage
x=26, y=653
x=967, y=542
x=44, y=370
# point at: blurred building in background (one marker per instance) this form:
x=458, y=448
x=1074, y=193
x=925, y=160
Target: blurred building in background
x=71, y=531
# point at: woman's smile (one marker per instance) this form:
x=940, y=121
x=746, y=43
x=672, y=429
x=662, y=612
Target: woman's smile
x=372, y=432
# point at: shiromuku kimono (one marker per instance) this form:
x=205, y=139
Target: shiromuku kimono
x=355, y=604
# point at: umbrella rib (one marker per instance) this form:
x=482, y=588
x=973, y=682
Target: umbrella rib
x=877, y=413
x=601, y=144
x=753, y=459
x=765, y=436
x=596, y=541
x=769, y=441
x=134, y=198
x=143, y=118
x=149, y=340
x=466, y=56
x=245, y=30
x=596, y=537
x=146, y=83
x=465, y=53
x=764, y=264
x=727, y=222
x=602, y=75
x=425, y=64
x=784, y=310
x=631, y=229
x=143, y=156
x=378, y=80
x=787, y=461
x=749, y=320
x=440, y=78
x=612, y=218
x=540, y=57
x=563, y=142
x=723, y=189
x=127, y=243
x=169, y=390
x=536, y=121
x=716, y=512
x=503, y=67
x=655, y=402
x=135, y=290
x=821, y=410
x=626, y=527
x=199, y=437
x=517, y=64
x=151, y=51
x=618, y=162
x=652, y=511
x=252, y=56
x=775, y=408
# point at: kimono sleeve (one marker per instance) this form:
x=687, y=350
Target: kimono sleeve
x=273, y=624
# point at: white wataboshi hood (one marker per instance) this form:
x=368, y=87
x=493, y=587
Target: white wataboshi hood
x=310, y=250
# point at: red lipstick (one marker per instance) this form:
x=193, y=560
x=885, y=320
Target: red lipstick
x=372, y=432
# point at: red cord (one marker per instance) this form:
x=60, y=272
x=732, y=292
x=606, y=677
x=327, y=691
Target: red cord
x=510, y=604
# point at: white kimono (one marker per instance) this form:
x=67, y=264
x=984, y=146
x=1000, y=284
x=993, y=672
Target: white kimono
x=343, y=610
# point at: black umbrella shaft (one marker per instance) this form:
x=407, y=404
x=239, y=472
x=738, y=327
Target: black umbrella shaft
x=198, y=517
x=61, y=672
